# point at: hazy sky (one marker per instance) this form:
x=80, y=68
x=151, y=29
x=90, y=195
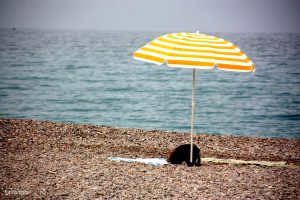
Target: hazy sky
x=157, y=15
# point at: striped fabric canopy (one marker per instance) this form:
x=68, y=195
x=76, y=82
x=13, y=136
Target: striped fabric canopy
x=194, y=50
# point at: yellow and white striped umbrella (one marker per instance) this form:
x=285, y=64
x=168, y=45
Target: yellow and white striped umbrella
x=197, y=51
x=194, y=50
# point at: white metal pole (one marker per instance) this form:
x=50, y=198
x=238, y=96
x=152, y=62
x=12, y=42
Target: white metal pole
x=193, y=110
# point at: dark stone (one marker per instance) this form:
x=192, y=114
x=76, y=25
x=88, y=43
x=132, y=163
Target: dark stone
x=182, y=154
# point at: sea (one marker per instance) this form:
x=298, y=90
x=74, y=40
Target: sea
x=90, y=77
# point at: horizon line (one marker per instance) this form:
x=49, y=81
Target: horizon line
x=139, y=30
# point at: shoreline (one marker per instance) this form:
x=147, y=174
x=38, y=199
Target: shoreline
x=66, y=160
x=212, y=145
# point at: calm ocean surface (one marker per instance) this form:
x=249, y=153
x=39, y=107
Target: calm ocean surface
x=90, y=77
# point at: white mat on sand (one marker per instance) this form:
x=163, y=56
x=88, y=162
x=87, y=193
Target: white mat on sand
x=147, y=161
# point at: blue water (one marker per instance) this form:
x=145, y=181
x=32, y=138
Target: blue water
x=90, y=77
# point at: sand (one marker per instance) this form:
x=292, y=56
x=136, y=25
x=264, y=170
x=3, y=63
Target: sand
x=51, y=160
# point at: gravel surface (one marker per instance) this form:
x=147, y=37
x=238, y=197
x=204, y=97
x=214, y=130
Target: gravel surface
x=50, y=160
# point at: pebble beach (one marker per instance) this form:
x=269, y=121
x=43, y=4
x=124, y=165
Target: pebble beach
x=54, y=160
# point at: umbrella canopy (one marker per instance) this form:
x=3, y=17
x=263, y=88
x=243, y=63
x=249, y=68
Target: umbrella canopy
x=197, y=51
x=194, y=50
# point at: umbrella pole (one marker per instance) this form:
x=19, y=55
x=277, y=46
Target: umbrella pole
x=193, y=110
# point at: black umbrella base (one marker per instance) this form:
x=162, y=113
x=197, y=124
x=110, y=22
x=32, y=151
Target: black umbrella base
x=181, y=155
